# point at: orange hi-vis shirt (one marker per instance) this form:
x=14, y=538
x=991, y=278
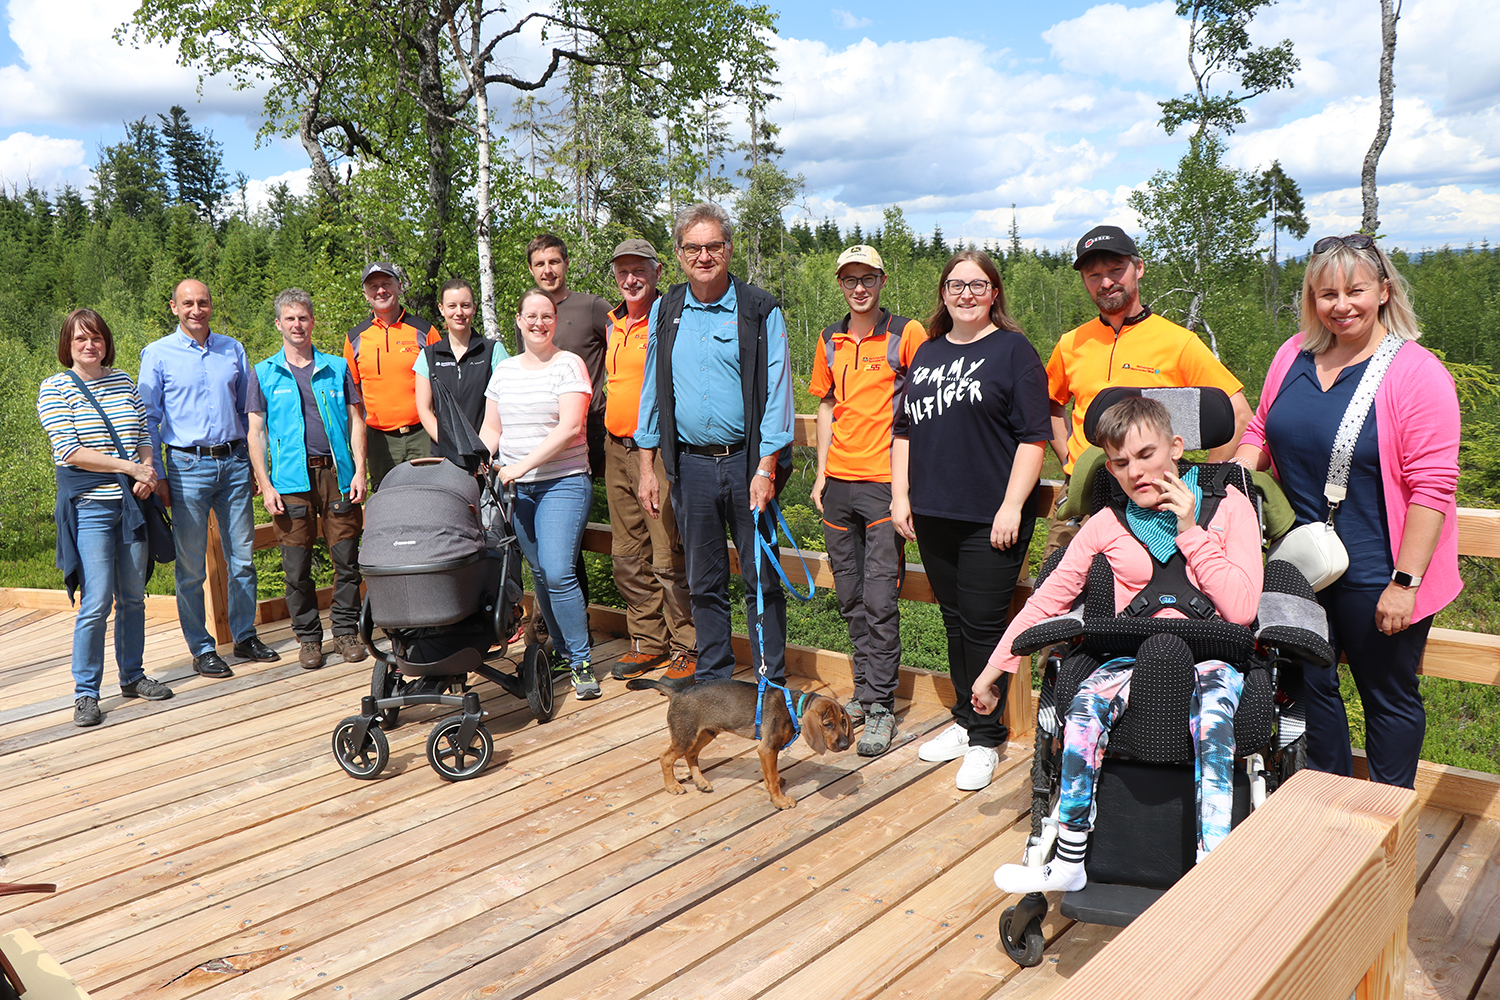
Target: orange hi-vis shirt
x=863, y=387
x=1152, y=352
x=624, y=368
x=380, y=359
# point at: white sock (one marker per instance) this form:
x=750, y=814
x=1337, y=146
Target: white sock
x=1064, y=873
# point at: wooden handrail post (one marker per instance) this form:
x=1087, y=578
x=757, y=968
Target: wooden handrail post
x=216, y=585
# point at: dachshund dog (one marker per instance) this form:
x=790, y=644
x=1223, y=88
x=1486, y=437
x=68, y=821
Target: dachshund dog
x=698, y=713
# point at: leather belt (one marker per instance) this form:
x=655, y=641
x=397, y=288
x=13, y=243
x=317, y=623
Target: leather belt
x=628, y=442
x=209, y=450
x=711, y=450
x=403, y=431
x=319, y=462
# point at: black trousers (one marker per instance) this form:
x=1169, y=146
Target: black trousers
x=1385, y=672
x=973, y=582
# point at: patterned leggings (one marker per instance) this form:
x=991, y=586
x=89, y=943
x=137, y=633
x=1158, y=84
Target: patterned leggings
x=1100, y=700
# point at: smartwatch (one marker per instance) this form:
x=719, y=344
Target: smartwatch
x=1401, y=579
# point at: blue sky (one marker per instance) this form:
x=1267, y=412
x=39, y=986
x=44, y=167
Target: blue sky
x=953, y=109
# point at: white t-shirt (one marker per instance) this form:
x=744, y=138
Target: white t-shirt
x=528, y=405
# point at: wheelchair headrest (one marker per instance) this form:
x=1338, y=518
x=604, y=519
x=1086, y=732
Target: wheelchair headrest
x=1202, y=415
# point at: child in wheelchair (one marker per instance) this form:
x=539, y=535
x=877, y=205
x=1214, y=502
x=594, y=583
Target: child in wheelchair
x=1167, y=560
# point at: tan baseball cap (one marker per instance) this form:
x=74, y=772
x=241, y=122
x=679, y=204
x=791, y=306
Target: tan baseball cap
x=636, y=248
x=860, y=254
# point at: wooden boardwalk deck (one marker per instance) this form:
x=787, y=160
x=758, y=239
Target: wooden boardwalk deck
x=210, y=846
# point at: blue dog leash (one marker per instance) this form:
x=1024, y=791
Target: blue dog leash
x=761, y=544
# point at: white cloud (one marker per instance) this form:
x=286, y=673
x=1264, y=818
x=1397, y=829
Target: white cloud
x=1425, y=217
x=848, y=19
x=1137, y=43
x=258, y=192
x=43, y=162
x=72, y=71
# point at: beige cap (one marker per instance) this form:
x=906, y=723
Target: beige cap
x=636, y=248
x=860, y=254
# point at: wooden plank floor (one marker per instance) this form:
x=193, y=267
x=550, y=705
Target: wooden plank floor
x=209, y=846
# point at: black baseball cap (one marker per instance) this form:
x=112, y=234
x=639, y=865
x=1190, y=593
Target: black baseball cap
x=1106, y=239
x=380, y=267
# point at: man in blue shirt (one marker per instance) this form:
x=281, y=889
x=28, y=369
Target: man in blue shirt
x=716, y=400
x=193, y=384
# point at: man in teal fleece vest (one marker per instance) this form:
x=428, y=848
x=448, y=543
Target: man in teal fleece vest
x=307, y=446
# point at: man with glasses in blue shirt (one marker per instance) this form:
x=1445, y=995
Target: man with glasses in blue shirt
x=716, y=400
x=193, y=385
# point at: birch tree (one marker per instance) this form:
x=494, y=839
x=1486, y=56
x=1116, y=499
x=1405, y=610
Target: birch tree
x=1389, y=14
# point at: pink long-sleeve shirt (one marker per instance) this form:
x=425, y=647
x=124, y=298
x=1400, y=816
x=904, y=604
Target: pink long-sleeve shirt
x=1223, y=560
x=1417, y=430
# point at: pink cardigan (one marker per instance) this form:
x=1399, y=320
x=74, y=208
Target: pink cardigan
x=1417, y=429
x=1223, y=561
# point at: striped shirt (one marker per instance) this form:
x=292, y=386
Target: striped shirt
x=72, y=422
x=528, y=406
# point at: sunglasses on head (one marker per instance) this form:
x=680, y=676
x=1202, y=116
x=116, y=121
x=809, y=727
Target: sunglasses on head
x=1354, y=241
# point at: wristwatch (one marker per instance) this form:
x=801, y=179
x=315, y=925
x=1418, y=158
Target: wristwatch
x=1406, y=580
x=763, y=472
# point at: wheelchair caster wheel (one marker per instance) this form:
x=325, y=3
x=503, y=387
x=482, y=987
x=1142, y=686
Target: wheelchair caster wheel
x=536, y=676
x=363, y=761
x=1025, y=948
x=453, y=759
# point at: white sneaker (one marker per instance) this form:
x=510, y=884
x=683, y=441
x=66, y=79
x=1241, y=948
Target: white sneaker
x=978, y=768
x=1055, y=876
x=950, y=744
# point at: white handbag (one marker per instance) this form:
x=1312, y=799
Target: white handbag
x=1315, y=548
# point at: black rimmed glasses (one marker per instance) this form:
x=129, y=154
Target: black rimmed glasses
x=692, y=250
x=976, y=287
x=856, y=280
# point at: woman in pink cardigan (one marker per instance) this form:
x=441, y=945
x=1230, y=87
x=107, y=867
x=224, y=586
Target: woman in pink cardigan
x=1398, y=520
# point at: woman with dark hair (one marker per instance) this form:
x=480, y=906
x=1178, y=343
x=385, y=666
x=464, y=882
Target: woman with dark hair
x=460, y=364
x=968, y=449
x=101, y=532
x=1357, y=355
x=534, y=424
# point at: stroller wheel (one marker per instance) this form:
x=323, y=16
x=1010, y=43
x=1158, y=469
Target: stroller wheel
x=363, y=761
x=1026, y=949
x=536, y=675
x=453, y=759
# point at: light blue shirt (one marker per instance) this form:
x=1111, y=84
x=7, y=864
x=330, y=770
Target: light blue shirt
x=194, y=396
x=707, y=392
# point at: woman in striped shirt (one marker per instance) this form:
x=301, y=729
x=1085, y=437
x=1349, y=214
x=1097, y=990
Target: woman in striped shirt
x=101, y=544
x=535, y=410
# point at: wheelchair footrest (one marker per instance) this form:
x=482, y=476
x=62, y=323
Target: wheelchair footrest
x=1114, y=905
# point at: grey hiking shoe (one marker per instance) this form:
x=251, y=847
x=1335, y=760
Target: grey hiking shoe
x=879, y=731
x=151, y=690
x=86, y=711
x=855, y=711
x=585, y=687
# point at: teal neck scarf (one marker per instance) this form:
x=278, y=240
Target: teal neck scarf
x=1157, y=529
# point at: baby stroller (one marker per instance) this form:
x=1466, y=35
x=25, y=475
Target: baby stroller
x=1144, y=835
x=445, y=591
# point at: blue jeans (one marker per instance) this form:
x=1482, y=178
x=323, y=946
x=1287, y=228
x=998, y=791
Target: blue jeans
x=114, y=573
x=710, y=494
x=222, y=485
x=550, y=517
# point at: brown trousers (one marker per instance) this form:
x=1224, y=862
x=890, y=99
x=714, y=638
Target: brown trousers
x=650, y=571
x=298, y=530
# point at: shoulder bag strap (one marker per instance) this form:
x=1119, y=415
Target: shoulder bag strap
x=1336, y=488
x=83, y=388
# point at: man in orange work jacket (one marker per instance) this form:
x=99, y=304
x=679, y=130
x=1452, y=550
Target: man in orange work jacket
x=380, y=353
x=649, y=567
x=859, y=377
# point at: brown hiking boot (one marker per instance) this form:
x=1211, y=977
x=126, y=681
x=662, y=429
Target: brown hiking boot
x=636, y=663
x=350, y=647
x=311, y=656
x=682, y=671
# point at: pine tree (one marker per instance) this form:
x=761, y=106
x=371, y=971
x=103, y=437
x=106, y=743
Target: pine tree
x=195, y=164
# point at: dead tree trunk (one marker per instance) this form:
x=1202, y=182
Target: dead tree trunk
x=1389, y=14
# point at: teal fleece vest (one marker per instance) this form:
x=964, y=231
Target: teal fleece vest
x=286, y=453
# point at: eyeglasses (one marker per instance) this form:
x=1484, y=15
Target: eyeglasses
x=854, y=281
x=539, y=319
x=692, y=250
x=976, y=287
x=1354, y=241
